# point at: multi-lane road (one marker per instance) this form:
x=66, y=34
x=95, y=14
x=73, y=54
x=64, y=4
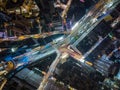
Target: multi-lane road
x=43, y=35
x=88, y=22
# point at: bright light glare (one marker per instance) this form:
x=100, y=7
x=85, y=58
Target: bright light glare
x=13, y=49
x=82, y=60
x=19, y=65
x=110, y=4
x=118, y=75
x=75, y=26
x=104, y=12
x=64, y=55
x=36, y=52
x=70, y=48
x=59, y=39
x=94, y=20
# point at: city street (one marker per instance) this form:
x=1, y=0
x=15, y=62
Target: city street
x=83, y=27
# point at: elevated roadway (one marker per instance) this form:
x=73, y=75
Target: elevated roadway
x=86, y=24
